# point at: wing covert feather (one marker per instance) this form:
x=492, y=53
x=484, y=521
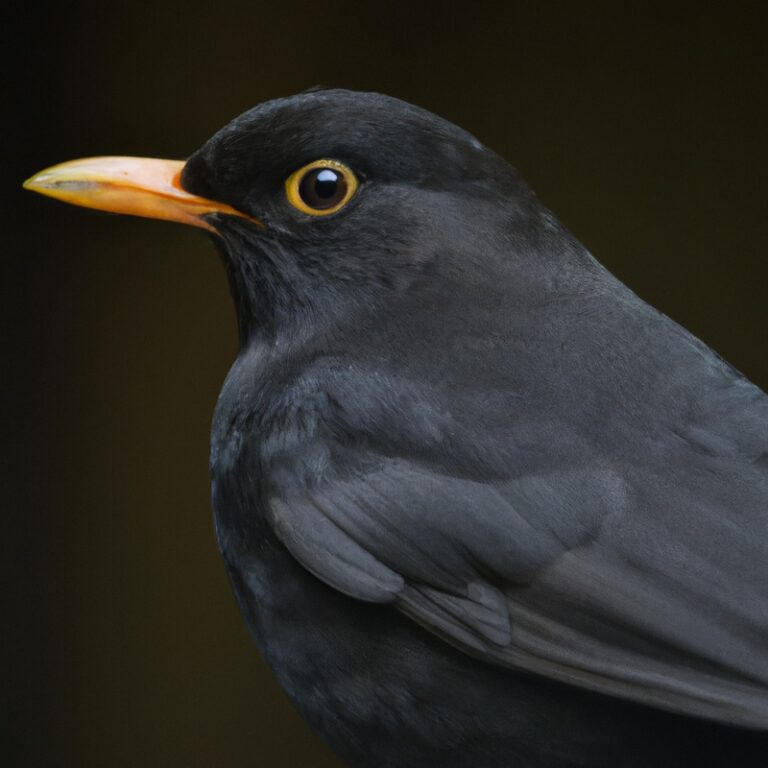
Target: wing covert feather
x=542, y=574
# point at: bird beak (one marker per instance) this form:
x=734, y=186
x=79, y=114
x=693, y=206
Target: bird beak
x=139, y=186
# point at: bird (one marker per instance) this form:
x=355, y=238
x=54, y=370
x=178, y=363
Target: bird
x=479, y=503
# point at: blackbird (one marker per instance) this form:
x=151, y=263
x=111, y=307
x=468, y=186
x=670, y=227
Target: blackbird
x=479, y=503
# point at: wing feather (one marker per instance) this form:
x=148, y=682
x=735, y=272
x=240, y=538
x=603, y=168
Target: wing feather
x=552, y=574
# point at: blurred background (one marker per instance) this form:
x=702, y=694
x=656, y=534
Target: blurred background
x=642, y=127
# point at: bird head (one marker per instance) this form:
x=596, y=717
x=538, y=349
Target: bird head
x=320, y=203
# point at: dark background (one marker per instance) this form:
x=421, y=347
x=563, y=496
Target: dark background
x=643, y=128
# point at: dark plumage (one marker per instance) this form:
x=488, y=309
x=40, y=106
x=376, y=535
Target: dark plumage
x=480, y=504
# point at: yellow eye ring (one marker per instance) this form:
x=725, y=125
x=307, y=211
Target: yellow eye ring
x=321, y=188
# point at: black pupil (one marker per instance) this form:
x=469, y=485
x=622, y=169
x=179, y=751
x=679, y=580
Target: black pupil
x=323, y=188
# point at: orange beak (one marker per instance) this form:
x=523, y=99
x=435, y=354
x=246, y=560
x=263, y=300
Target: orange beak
x=139, y=186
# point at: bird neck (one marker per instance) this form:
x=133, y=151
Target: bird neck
x=275, y=300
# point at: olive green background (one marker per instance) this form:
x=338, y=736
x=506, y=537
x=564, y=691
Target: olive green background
x=642, y=126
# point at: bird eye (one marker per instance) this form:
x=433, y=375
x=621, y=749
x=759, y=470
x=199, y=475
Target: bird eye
x=321, y=188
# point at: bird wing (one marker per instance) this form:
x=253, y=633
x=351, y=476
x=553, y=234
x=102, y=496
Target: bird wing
x=595, y=576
